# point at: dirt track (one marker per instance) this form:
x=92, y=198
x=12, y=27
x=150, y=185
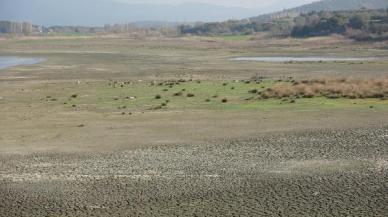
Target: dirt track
x=322, y=172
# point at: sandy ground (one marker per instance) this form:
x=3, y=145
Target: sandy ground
x=62, y=132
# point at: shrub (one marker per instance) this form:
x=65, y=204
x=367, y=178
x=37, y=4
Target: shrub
x=330, y=88
x=157, y=107
x=178, y=94
x=190, y=95
x=158, y=96
x=224, y=100
x=74, y=96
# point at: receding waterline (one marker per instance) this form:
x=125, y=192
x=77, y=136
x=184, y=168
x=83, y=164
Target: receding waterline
x=304, y=59
x=11, y=61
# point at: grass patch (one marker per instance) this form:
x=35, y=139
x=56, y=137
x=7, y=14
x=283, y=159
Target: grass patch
x=235, y=37
x=207, y=95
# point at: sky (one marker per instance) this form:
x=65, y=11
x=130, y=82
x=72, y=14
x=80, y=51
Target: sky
x=258, y=4
x=99, y=12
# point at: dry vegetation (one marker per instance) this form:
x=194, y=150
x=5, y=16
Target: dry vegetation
x=330, y=88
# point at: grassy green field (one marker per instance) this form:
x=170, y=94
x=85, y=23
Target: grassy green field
x=235, y=37
x=131, y=97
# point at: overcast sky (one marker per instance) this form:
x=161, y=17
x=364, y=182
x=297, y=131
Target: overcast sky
x=259, y=4
x=99, y=12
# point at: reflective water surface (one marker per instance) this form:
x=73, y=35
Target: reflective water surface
x=10, y=61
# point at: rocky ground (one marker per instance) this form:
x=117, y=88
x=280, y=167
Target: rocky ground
x=309, y=173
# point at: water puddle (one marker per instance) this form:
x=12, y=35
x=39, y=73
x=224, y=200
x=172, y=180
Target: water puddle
x=11, y=61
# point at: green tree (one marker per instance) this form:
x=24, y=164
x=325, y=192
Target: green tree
x=359, y=21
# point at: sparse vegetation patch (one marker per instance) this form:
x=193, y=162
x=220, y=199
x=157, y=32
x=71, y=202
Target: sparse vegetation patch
x=330, y=88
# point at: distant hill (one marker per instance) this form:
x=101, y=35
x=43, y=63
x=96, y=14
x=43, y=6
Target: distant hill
x=99, y=12
x=325, y=5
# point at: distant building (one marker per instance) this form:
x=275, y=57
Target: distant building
x=26, y=28
x=15, y=27
x=120, y=28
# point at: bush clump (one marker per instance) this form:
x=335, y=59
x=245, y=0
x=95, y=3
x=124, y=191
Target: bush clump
x=330, y=88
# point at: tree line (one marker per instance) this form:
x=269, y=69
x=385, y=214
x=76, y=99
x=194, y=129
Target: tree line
x=359, y=24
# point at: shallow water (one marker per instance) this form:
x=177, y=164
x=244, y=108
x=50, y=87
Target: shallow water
x=302, y=59
x=10, y=61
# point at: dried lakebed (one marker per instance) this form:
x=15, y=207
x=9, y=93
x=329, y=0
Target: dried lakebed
x=11, y=61
x=306, y=59
x=326, y=173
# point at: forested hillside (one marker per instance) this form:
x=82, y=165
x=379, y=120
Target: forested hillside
x=362, y=24
x=316, y=19
x=325, y=5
